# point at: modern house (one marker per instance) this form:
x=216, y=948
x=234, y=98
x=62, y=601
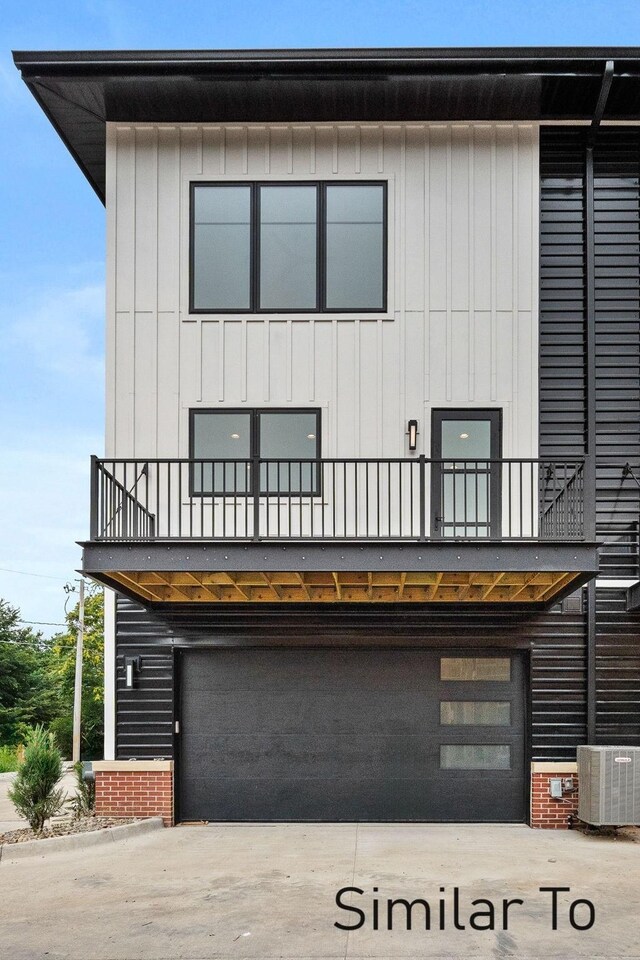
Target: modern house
x=368, y=511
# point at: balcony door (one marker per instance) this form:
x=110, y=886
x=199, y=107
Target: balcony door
x=465, y=474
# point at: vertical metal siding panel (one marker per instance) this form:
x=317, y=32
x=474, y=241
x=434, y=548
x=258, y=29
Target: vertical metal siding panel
x=236, y=156
x=256, y=335
x=414, y=359
x=124, y=404
x=211, y=347
x=346, y=387
x=146, y=220
x=460, y=204
x=233, y=360
x=190, y=378
x=302, y=145
x=437, y=264
x=168, y=292
x=482, y=137
x=504, y=213
x=256, y=140
x=278, y=370
x=111, y=393
x=280, y=145
x=458, y=348
x=368, y=388
x=414, y=233
x=617, y=322
x=562, y=305
x=323, y=362
x=347, y=150
x=168, y=216
x=300, y=334
x=146, y=382
x=391, y=414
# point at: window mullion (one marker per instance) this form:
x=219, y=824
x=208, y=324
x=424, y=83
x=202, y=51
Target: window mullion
x=322, y=245
x=255, y=248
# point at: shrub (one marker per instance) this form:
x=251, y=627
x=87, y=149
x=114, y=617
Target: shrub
x=33, y=792
x=84, y=800
x=8, y=759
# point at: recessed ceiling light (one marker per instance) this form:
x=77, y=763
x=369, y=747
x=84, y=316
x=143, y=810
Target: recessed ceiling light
x=464, y=436
x=311, y=436
x=235, y=436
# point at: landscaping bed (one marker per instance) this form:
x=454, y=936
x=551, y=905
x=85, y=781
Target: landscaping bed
x=65, y=828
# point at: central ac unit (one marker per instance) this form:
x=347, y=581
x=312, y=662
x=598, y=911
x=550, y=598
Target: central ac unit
x=609, y=784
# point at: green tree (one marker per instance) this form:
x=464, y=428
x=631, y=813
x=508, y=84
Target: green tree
x=62, y=660
x=27, y=694
x=33, y=792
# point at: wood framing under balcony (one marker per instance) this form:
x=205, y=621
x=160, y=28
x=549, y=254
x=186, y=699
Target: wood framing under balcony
x=341, y=531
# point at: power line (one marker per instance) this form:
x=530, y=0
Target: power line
x=43, y=623
x=25, y=573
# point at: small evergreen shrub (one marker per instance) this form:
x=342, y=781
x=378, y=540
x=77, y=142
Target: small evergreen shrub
x=8, y=759
x=84, y=800
x=33, y=792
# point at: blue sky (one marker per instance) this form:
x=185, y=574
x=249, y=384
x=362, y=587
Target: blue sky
x=52, y=241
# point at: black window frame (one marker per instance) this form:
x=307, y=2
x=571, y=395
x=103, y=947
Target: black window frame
x=321, y=233
x=494, y=415
x=254, y=453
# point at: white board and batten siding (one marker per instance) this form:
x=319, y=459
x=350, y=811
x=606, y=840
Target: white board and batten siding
x=462, y=322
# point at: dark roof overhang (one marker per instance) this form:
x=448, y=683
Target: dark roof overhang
x=80, y=91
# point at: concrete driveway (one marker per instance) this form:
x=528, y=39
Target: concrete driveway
x=266, y=891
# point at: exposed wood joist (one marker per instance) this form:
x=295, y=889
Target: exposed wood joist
x=345, y=586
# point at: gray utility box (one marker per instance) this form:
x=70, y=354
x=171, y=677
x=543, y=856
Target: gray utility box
x=609, y=784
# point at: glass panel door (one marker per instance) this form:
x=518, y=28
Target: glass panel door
x=465, y=479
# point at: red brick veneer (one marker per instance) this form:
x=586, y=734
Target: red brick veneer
x=135, y=793
x=547, y=813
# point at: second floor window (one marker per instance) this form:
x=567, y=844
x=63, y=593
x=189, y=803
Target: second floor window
x=294, y=247
x=263, y=452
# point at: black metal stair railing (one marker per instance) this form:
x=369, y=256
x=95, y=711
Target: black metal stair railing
x=414, y=499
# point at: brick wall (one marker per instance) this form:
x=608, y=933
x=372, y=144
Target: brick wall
x=135, y=793
x=546, y=812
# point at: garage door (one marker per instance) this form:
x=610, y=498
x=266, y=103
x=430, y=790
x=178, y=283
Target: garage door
x=337, y=734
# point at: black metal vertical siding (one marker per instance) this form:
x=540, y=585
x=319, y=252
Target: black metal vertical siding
x=617, y=321
x=562, y=293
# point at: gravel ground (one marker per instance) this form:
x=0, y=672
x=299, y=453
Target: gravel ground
x=63, y=828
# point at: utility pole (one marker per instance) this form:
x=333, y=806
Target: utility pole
x=77, y=692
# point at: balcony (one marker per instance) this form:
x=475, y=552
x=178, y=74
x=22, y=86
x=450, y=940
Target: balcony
x=344, y=530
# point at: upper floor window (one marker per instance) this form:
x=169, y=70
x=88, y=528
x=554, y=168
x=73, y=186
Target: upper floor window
x=288, y=247
x=255, y=451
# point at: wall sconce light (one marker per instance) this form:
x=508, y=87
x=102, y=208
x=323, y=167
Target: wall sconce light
x=131, y=670
x=412, y=432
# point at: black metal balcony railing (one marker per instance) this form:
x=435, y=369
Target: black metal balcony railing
x=337, y=499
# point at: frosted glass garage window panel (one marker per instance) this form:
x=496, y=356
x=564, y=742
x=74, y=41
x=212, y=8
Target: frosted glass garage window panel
x=292, y=440
x=288, y=248
x=475, y=668
x=478, y=713
x=355, y=247
x=474, y=756
x=220, y=437
x=222, y=248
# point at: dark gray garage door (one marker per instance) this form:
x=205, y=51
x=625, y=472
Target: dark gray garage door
x=337, y=734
